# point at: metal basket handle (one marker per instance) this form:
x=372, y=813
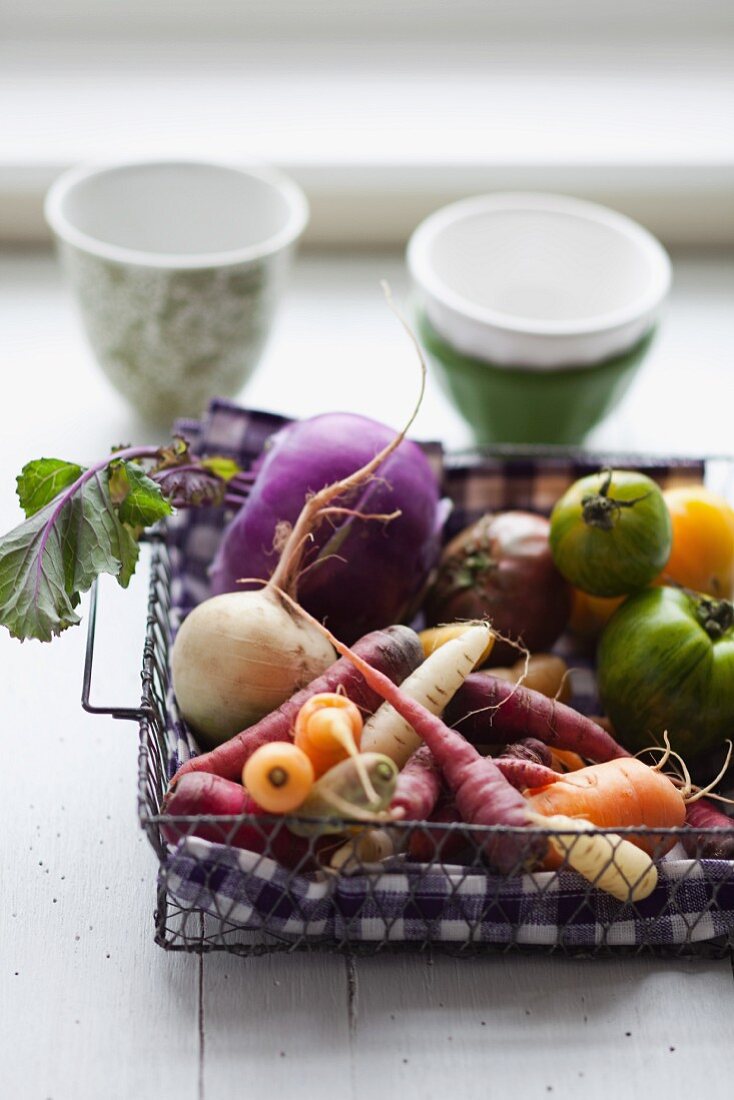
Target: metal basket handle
x=133, y=714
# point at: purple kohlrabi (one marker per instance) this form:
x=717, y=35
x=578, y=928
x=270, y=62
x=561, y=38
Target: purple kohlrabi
x=360, y=574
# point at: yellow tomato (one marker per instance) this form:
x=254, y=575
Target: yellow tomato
x=703, y=541
x=543, y=672
x=590, y=614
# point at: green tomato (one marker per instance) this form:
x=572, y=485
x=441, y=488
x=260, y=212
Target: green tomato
x=610, y=533
x=666, y=662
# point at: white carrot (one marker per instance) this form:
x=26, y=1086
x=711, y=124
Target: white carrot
x=606, y=860
x=432, y=685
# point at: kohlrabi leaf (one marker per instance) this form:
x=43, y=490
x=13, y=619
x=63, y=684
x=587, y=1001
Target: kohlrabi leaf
x=103, y=544
x=40, y=481
x=190, y=486
x=48, y=561
x=189, y=481
x=175, y=454
x=83, y=522
x=140, y=502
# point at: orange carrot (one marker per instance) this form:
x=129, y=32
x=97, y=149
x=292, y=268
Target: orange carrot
x=328, y=728
x=615, y=795
x=279, y=776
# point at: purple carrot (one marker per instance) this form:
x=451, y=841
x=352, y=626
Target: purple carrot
x=438, y=845
x=418, y=786
x=525, y=773
x=530, y=748
x=208, y=794
x=396, y=651
x=702, y=815
x=486, y=709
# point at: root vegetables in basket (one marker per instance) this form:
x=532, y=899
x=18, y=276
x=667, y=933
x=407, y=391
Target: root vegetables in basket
x=396, y=651
x=497, y=711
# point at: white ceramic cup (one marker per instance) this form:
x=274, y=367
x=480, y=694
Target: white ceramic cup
x=537, y=281
x=177, y=267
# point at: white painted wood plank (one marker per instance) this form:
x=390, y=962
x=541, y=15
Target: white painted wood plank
x=276, y=1026
x=499, y=1027
x=95, y=1008
x=89, y=1006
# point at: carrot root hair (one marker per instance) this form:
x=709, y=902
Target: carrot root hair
x=689, y=791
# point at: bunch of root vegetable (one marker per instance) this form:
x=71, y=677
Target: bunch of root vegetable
x=543, y=818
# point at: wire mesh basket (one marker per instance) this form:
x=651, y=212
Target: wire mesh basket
x=246, y=885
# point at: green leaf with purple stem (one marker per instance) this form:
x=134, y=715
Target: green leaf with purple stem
x=83, y=522
x=50, y=559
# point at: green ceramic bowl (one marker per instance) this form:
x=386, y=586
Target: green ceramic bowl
x=516, y=405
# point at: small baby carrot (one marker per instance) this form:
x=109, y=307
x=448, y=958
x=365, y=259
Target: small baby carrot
x=279, y=777
x=328, y=729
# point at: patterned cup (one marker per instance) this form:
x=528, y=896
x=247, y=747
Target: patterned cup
x=177, y=268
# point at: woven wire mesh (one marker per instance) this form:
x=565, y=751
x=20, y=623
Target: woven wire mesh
x=247, y=885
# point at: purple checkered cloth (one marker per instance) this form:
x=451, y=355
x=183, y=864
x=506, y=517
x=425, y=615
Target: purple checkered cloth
x=440, y=903
x=398, y=900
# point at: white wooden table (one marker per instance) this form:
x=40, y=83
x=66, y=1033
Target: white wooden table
x=89, y=1007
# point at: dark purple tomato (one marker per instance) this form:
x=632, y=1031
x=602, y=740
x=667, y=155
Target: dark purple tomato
x=501, y=569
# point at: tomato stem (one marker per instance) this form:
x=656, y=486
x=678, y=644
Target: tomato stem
x=715, y=616
x=601, y=510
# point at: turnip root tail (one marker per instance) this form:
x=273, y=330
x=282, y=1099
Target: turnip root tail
x=317, y=507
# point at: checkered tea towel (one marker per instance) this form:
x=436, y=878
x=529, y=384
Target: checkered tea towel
x=693, y=901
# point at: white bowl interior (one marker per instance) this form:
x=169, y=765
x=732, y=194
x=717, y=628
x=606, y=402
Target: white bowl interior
x=540, y=265
x=176, y=208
